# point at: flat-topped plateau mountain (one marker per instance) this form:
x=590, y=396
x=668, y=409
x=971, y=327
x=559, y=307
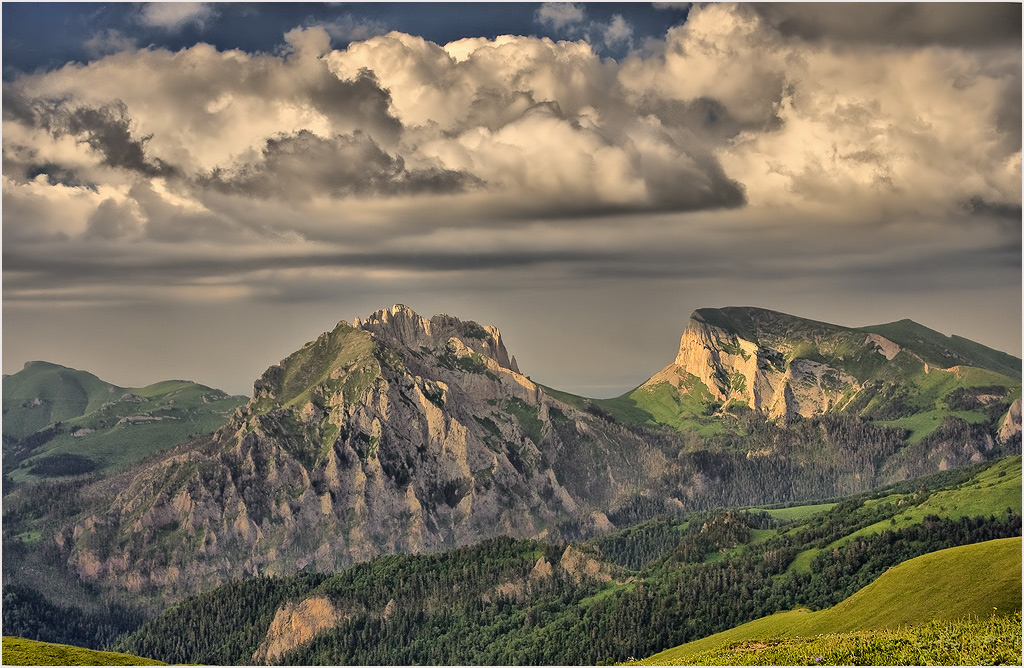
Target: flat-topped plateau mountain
x=402, y=434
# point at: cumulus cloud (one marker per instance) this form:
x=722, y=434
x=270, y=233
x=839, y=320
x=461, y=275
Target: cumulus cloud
x=173, y=16
x=559, y=16
x=393, y=151
x=303, y=166
x=618, y=33
x=864, y=129
x=569, y=20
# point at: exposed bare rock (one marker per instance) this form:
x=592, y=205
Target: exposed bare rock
x=401, y=326
x=767, y=379
x=580, y=565
x=295, y=624
x=1011, y=424
x=885, y=347
x=810, y=388
x=541, y=570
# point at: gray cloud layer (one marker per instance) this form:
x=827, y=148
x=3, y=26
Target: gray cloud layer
x=905, y=24
x=855, y=146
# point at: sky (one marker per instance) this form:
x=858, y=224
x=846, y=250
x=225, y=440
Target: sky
x=195, y=190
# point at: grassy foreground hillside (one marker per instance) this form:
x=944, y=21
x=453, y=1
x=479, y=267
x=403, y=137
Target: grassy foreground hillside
x=22, y=652
x=966, y=642
x=969, y=581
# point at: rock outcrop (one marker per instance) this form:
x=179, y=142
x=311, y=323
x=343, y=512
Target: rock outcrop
x=294, y=624
x=766, y=373
x=400, y=326
x=1010, y=427
x=396, y=434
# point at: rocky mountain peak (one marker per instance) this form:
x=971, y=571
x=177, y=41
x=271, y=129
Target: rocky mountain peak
x=401, y=326
x=774, y=363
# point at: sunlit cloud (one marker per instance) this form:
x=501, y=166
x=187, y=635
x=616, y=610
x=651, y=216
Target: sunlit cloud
x=766, y=144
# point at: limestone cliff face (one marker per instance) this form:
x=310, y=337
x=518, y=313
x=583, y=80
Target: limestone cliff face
x=1011, y=424
x=784, y=366
x=765, y=372
x=396, y=434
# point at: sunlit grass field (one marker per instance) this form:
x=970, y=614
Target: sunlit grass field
x=22, y=652
x=935, y=591
x=970, y=642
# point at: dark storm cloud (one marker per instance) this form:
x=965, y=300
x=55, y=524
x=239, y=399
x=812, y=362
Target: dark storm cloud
x=22, y=164
x=303, y=165
x=982, y=207
x=104, y=266
x=361, y=97
x=716, y=250
x=971, y=24
x=106, y=129
x=707, y=114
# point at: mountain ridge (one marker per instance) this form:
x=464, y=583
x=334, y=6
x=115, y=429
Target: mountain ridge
x=400, y=433
x=381, y=447
x=786, y=366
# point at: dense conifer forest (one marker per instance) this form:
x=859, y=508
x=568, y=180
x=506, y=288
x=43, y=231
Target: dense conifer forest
x=660, y=583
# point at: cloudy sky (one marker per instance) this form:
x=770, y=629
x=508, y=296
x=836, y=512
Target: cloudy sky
x=194, y=190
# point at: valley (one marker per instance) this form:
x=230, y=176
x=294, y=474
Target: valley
x=397, y=491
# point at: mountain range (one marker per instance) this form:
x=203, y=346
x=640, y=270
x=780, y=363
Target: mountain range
x=402, y=434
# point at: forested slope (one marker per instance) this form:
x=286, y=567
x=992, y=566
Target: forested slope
x=632, y=593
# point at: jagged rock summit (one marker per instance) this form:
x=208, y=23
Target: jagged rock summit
x=401, y=326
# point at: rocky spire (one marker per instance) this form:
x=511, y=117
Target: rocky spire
x=401, y=326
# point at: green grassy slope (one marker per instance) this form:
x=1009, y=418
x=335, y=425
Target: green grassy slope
x=81, y=424
x=963, y=642
x=940, y=350
x=972, y=580
x=22, y=652
x=43, y=393
x=341, y=360
x=990, y=492
x=794, y=513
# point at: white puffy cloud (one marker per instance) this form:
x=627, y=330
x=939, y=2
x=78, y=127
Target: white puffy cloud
x=560, y=15
x=618, y=32
x=356, y=157
x=863, y=130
